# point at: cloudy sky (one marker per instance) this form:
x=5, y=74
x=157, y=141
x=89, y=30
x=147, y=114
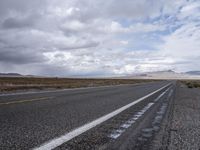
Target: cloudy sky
x=98, y=37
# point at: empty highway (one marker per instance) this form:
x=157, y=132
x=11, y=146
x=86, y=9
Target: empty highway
x=85, y=118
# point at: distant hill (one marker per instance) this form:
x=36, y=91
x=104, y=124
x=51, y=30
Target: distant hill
x=193, y=72
x=165, y=74
x=10, y=75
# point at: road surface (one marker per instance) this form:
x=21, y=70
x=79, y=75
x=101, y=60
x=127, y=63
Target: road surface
x=86, y=118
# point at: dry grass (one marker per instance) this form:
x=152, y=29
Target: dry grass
x=192, y=83
x=25, y=83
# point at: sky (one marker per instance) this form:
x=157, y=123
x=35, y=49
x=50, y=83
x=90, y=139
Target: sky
x=98, y=37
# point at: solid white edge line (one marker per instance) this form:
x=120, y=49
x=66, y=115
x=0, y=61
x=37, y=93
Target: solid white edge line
x=76, y=132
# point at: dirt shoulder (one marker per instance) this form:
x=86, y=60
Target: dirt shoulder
x=10, y=84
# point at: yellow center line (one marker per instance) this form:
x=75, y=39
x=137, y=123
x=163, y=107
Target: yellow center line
x=24, y=101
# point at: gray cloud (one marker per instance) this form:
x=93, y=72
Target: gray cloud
x=134, y=9
x=10, y=23
x=89, y=44
x=19, y=56
x=8, y=7
x=64, y=37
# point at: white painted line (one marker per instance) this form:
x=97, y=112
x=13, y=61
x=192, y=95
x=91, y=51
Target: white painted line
x=76, y=132
x=131, y=121
x=117, y=133
x=161, y=95
x=127, y=124
x=170, y=93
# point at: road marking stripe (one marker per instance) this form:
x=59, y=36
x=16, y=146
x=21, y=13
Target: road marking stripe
x=24, y=101
x=115, y=134
x=76, y=132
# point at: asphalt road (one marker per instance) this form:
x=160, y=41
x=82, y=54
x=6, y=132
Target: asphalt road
x=28, y=120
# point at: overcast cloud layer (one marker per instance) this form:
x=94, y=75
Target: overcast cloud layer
x=98, y=37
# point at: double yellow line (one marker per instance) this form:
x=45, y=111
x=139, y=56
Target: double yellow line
x=25, y=101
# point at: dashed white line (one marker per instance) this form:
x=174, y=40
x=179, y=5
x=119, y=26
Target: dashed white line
x=76, y=132
x=115, y=134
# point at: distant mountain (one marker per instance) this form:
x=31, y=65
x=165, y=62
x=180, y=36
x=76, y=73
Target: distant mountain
x=193, y=72
x=165, y=74
x=164, y=71
x=10, y=75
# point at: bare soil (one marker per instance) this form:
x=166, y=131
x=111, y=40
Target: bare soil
x=28, y=83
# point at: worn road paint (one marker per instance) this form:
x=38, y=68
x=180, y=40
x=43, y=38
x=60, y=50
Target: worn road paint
x=25, y=101
x=76, y=132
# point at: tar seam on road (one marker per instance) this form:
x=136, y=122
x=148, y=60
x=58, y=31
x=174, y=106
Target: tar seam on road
x=76, y=132
x=25, y=101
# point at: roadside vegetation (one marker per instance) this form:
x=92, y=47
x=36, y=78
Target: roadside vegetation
x=26, y=83
x=192, y=83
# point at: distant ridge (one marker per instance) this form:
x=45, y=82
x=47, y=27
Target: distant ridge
x=10, y=75
x=163, y=71
x=165, y=74
x=193, y=72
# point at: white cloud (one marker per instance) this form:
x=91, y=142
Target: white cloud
x=191, y=7
x=99, y=37
x=184, y=42
x=123, y=42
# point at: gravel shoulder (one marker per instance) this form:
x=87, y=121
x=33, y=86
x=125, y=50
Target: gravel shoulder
x=185, y=125
x=180, y=129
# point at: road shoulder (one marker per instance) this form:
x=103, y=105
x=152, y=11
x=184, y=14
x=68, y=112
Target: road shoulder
x=181, y=127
